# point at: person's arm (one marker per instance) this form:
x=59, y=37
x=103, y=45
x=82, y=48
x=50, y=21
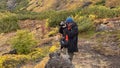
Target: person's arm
x=61, y=30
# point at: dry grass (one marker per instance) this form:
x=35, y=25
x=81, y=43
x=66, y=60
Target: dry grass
x=42, y=63
x=112, y=3
x=4, y=47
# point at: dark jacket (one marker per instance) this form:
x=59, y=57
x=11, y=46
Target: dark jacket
x=73, y=37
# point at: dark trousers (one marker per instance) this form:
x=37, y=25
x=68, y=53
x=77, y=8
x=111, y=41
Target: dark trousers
x=71, y=55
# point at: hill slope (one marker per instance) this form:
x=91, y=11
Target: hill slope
x=43, y=5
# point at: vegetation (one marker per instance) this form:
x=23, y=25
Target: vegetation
x=100, y=11
x=23, y=42
x=85, y=24
x=86, y=15
x=2, y=4
x=12, y=61
x=8, y=22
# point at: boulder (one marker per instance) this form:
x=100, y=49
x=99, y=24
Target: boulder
x=58, y=61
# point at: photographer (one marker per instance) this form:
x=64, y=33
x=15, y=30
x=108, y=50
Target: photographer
x=69, y=31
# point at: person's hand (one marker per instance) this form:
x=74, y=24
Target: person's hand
x=62, y=24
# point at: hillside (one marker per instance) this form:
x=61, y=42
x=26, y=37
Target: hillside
x=43, y=5
x=29, y=32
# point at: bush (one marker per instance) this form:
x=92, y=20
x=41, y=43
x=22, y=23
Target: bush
x=57, y=17
x=8, y=24
x=84, y=23
x=23, y=42
x=100, y=12
x=12, y=61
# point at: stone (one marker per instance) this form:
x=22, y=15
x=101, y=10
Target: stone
x=11, y=4
x=58, y=61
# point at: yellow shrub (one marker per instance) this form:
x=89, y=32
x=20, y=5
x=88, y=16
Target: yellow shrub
x=11, y=61
x=53, y=48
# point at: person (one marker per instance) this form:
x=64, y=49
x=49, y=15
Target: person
x=69, y=31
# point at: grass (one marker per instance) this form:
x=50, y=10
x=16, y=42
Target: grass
x=100, y=11
x=8, y=22
x=87, y=35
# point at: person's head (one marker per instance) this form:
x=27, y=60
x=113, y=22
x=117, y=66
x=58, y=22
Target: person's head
x=69, y=21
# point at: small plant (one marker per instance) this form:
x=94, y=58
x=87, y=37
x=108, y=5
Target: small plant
x=23, y=42
x=84, y=23
x=53, y=48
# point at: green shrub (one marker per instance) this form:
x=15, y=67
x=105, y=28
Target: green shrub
x=23, y=15
x=8, y=24
x=84, y=23
x=57, y=17
x=100, y=12
x=23, y=42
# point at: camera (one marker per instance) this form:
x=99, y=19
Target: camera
x=62, y=24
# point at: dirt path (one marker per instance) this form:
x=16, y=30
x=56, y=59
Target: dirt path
x=88, y=58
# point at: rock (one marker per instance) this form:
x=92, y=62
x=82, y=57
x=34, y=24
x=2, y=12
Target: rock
x=14, y=51
x=11, y=4
x=101, y=27
x=58, y=61
x=86, y=4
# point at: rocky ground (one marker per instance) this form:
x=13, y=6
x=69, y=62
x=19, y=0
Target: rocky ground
x=87, y=57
